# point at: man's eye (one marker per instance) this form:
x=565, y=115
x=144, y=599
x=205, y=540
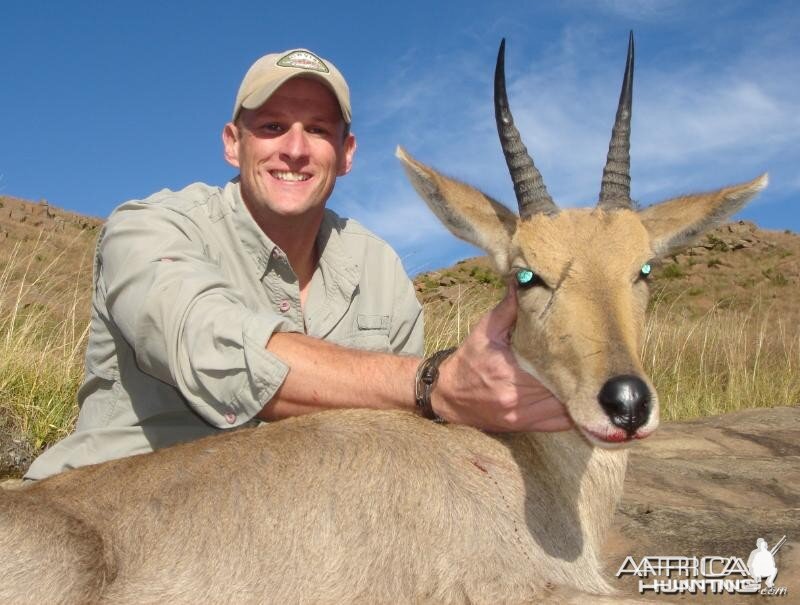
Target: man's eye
x=272, y=127
x=317, y=130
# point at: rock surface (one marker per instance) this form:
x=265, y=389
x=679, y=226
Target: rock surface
x=712, y=487
x=16, y=453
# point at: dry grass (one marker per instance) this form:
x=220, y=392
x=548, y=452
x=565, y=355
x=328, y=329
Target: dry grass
x=724, y=361
x=41, y=358
x=447, y=323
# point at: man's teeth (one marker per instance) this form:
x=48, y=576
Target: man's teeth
x=289, y=176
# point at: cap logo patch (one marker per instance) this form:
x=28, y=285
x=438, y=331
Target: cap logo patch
x=303, y=59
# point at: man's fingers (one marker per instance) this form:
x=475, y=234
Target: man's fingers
x=500, y=320
x=552, y=425
x=550, y=407
x=546, y=415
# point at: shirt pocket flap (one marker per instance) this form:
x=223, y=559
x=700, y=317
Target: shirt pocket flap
x=373, y=322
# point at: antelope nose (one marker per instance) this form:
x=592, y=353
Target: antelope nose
x=626, y=401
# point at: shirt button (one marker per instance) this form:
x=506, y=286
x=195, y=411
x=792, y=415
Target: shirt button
x=230, y=417
x=284, y=306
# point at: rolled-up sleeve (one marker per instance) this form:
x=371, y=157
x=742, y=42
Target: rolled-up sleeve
x=187, y=323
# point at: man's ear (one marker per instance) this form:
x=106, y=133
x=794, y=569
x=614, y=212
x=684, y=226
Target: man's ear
x=230, y=142
x=348, y=151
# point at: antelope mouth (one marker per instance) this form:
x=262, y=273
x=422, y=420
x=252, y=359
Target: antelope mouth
x=611, y=436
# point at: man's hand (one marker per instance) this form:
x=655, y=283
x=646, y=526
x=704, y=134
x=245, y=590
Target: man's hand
x=482, y=385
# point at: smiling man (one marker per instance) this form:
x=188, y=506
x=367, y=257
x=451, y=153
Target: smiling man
x=215, y=308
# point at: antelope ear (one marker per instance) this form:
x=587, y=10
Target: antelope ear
x=465, y=211
x=679, y=222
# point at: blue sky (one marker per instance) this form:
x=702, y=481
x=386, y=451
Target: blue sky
x=107, y=101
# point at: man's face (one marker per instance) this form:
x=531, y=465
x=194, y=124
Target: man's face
x=290, y=150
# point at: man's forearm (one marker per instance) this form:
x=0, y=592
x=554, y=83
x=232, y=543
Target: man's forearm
x=480, y=385
x=326, y=376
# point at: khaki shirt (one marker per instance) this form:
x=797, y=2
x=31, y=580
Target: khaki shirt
x=187, y=292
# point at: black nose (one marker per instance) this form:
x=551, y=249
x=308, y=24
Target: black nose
x=626, y=400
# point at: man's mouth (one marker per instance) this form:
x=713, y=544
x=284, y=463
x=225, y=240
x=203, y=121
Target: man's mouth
x=285, y=175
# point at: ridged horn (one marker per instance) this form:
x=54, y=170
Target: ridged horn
x=529, y=187
x=615, y=191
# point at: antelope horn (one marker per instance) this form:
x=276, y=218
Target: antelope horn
x=615, y=191
x=529, y=187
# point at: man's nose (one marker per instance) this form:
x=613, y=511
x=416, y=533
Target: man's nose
x=294, y=142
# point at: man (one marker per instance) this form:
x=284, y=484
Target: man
x=216, y=307
x=761, y=563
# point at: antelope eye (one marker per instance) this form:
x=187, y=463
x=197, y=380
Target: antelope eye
x=526, y=278
x=646, y=269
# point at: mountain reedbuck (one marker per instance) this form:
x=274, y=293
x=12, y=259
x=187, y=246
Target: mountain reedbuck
x=373, y=507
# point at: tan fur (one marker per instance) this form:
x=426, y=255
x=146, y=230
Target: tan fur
x=585, y=326
x=377, y=507
x=591, y=261
x=676, y=223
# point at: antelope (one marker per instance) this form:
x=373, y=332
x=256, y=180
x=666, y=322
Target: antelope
x=362, y=506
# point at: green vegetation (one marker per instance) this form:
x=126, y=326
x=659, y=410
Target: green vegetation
x=40, y=358
x=428, y=283
x=486, y=276
x=717, y=243
x=672, y=271
x=776, y=277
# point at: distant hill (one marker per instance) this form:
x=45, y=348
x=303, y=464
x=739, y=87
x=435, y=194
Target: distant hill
x=49, y=251
x=734, y=266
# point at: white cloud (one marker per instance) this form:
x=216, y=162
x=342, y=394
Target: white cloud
x=701, y=120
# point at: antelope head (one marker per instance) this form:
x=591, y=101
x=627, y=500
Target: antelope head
x=581, y=273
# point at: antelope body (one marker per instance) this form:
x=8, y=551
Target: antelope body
x=361, y=506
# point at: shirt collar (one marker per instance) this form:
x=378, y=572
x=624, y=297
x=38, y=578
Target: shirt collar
x=336, y=267
x=255, y=241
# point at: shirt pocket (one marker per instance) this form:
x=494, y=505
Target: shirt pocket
x=378, y=324
x=371, y=333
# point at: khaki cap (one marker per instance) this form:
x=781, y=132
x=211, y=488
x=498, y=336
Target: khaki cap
x=267, y=74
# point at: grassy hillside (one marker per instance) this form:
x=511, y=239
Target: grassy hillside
x=723, y=332
x=45, y=279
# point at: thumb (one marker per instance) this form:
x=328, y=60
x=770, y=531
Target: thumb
x=500, y=320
